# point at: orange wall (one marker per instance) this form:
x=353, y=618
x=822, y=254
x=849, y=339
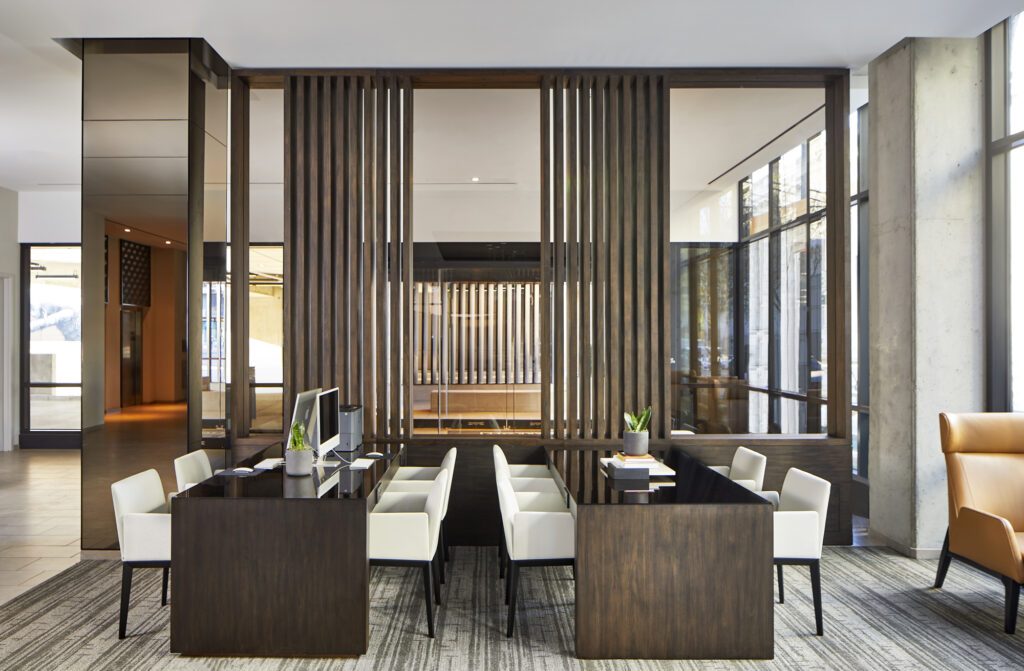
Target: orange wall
x=163, y=327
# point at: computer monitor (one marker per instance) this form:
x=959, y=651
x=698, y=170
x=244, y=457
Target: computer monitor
x=326, y=437
x=305, y=413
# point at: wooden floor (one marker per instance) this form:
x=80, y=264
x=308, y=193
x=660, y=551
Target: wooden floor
x=39, y=517
x=131, y=441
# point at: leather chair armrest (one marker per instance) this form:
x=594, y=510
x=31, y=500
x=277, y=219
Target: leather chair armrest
x=749, y=484
x=988, y=540
x=722, y=470
x=528, y=471
x=404, y=536
x=147, y=537
x=543, y=535
x=773, y=498
x=541, y=502
x=796, y=534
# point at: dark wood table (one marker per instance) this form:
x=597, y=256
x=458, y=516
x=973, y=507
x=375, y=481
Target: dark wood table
x=678, y=570
x=268, y=565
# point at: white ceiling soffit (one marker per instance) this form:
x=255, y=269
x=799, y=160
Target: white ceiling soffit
x=40, y=131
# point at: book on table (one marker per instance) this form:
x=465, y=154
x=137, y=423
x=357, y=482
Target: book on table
x=621, y=460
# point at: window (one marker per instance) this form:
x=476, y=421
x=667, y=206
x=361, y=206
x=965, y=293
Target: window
x=858, y=288
x=52, y=384
x=266, y=337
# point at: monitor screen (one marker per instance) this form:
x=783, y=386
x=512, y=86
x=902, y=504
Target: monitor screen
x=328, y=434
x=305, y=405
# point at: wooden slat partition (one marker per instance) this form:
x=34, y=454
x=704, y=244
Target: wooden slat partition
x=607, y=150
x=348, y=244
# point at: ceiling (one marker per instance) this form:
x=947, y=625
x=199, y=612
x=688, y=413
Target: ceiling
x=40, y=135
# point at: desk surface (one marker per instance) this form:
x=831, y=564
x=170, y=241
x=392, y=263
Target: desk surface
x=587, y=482
x=334, y=479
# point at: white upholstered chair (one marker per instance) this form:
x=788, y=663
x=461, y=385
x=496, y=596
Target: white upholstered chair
x=800, y=511
x=418, y=480
x=747, y=469
x=403, y=531
x=191, y=469
x=538, y=530
x=523, y=477
x=143, y=532
x=522, y=470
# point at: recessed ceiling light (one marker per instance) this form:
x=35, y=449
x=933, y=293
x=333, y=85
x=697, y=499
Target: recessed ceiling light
x=127, y=230
x=167, y=242
x=475, y=179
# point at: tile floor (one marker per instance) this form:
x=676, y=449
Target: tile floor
x=40, y=526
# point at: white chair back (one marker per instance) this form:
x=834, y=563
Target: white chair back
x=509, y=507
x=192, y=469
x=435, y=504
x=748, y=465
x=448, y=463
x=139, y=493
x=501, y=470
x=803, y=491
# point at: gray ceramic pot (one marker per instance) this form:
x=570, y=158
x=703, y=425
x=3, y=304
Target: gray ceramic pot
x=298, y=462
x=634, y=443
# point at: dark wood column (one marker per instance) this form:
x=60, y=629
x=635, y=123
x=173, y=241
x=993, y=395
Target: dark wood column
x=240, y=413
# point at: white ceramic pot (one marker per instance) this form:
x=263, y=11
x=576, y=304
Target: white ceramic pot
x=298, y=462
x=634, y=443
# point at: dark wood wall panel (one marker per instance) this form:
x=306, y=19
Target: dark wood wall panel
x=606, y=150
x=348, y=244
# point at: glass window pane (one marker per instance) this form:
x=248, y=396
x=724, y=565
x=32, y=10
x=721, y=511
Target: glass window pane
x=1016, y=178
x=55, y=408
x=266, y=409
x=266, y=313
x=792, y=415
x=816, y=175
x=792, y=337
x=759, y=216
x=55, y=315
x=818, y=311
x=1015, y=75
x=746, y=206
x=755, y=298
x=790, y=187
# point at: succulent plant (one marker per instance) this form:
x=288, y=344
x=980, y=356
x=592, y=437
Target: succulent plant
x=296, y=441
x=638, y=424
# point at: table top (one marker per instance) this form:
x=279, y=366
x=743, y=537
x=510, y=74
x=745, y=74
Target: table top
x=334, y=478
x=587, y=481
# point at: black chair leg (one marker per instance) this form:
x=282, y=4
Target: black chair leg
x=501, y=556
x=444, y=541
x=1012, y=601
x=508, y=579
x=163, y=589
x=944, y=559
x=126, y=591
x=782, y=589
x=816, y=588
x=441, y=577
x=513, y=579
x=427, y=589
x=437, y=566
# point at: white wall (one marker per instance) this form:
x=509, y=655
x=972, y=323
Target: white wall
x=10, y=267
x=49, y=216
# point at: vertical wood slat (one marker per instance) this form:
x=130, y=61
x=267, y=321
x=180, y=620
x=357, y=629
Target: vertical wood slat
x=642, y=284
x=614, y=179
x=380, y=176
x=627, y=135
x=572, y=375
x=545, y=258
x=600, y=261
x=558, y=249
x=664, y=140
x=407, y=260
x=366, y=155
x=353, y=290
x=240, y=413
x=394, y=331
x=837, y=236
x=586, y=268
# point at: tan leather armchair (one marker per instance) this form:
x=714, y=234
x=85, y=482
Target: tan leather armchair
x=985, y=473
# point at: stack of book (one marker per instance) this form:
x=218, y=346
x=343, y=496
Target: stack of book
x=625, y=465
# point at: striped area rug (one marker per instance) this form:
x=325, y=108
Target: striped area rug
x=879, y=614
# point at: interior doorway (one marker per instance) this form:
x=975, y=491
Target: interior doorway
x=131, y=357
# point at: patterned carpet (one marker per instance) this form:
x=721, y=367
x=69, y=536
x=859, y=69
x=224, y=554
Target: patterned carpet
x=879, y=614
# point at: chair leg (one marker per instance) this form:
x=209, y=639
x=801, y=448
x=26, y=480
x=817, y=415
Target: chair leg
x=163, y=589
x=1012, y=601
x=437, y=566
x=782, y=589
x=513, y=579
x=816, y=589
x=501, y=556
x=508, y=579
x=427, y=589
x=944, y=559
x=126, y=591
x=441, y=576
x=444, y=540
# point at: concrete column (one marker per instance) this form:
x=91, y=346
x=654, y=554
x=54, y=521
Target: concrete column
x=10, y=298
x=927, y=299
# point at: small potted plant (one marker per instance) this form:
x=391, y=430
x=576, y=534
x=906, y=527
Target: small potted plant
x=634, y=438
x=298, y=459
